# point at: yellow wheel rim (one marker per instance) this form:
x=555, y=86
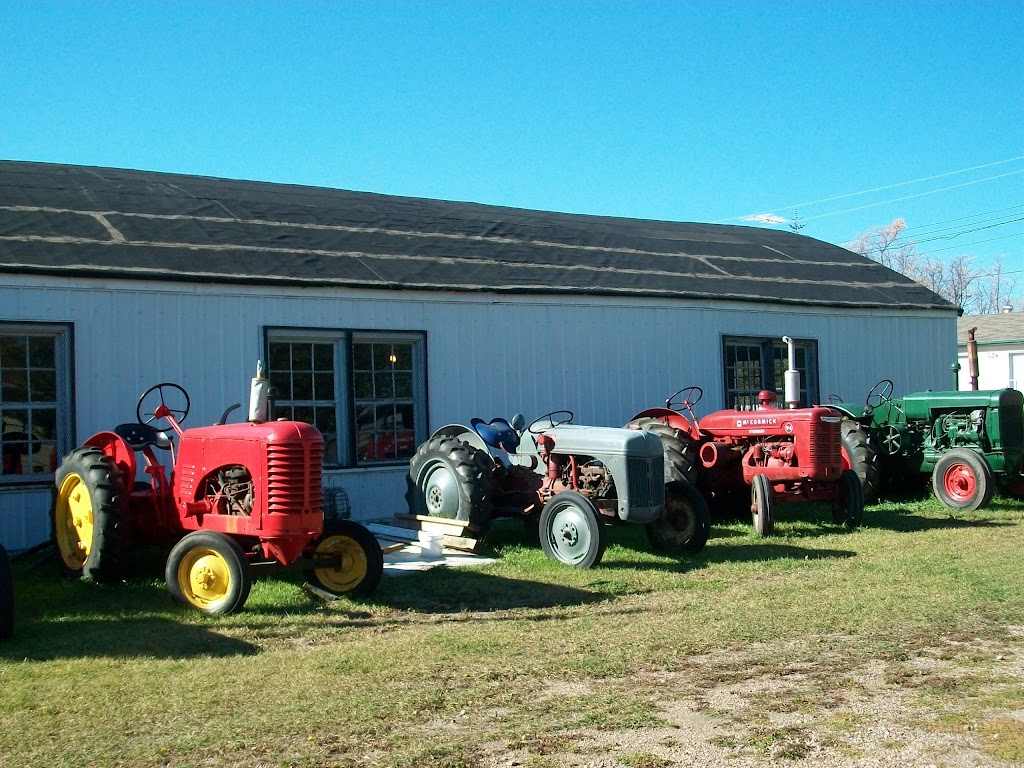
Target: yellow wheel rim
x=352, y=568
x=74, y=522
x=204, y=578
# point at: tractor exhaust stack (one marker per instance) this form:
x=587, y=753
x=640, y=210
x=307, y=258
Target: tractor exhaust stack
x=792, y=376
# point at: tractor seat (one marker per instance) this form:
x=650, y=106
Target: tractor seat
x=497, y=434
x=139, y=436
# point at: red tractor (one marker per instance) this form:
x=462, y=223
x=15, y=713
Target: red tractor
x=781, y=455
x=237, y=495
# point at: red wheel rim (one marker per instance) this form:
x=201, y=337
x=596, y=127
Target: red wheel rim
x=960, y=482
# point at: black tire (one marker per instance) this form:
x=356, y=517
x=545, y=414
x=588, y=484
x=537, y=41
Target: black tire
x=681, y=460
x=848, y=509
x=859, y=455
x=686, y=524
x=361, y=559
x=88, y=529
x=762, y=505
x=963, y=480
x=6, y=596
x=571, y=530
x=451, y=479
x=208, y=571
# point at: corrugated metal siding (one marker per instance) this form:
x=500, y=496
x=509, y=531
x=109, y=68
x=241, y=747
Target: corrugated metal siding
x=486, y=356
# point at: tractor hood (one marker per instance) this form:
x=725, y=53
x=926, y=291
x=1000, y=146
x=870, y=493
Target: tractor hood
x=604, y=441
x=270, y=431
x=921, y=405
x=764, y=420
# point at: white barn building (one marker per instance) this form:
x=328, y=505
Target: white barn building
x=382, y=318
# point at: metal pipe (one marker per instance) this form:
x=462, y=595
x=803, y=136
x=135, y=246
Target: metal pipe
x=972, y=358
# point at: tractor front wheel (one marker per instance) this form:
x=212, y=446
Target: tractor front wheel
x=354, y=560
x=87, y=525
x=848, y=509
x=762, y=505
x=6, y=596
x=859, y=455
x=208, y=571
x=686, y=524
x=963, y=480
x=571, y=530
x=449, y=478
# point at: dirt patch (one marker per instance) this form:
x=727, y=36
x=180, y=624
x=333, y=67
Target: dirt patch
x=955, y=704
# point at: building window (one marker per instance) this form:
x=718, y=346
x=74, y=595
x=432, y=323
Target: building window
x=35, y=400
x=756, y=364
x=364, y=391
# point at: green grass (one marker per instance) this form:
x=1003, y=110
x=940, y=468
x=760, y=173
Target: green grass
x=452, y=667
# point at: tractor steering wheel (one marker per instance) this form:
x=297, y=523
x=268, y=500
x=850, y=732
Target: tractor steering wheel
x=834, y=400
x=176, y=391
x=880, y=393
x=552, y=421
x=691, y=396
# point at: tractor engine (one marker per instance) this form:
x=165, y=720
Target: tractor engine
x=959, y=429
x=230, y=491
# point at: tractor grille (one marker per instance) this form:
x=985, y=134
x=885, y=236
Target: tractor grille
x=295, y=477
x=825, y=448
x=646, y=482
x=1011, y=428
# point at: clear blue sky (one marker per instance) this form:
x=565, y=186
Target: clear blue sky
x=666, y=110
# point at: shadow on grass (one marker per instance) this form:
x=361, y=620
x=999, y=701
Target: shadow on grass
x=115, y=636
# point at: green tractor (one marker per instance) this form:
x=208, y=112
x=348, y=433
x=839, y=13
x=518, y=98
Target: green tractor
x=970, y=442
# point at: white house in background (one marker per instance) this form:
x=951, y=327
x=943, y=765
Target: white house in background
x=382, y=318
x=1000, y=341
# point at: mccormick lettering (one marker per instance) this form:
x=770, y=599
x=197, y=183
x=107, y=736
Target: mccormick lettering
x=765, y=422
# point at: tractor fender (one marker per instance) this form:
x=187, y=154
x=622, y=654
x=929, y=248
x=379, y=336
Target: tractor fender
x=117, y=448
x=674, y=419
x=464, y=433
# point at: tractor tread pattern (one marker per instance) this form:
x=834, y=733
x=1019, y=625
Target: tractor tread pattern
x=863, y=457
x=107, y=492
x=473, y=469
x=681, y=461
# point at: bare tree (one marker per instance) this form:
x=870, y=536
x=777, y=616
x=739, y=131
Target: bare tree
x=978, y=290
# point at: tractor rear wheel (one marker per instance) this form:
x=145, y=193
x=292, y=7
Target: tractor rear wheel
x=360, y=561
x=6, y=596
x=87, y=524
x=681, y=462
x=859, y=454
x=963, y=480
x=686, y=524
x=208, y=571
x=848, y=509
x=450, y=478
x=571, y=530
x=762, y=505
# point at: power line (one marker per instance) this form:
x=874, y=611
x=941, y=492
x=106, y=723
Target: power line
x=911, y=197
x=969, y=216
x=881, y=189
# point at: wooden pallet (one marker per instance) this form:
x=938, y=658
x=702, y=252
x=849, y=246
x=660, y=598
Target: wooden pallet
x=454, y=534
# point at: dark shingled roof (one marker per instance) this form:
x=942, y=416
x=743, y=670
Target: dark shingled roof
x=103, y=222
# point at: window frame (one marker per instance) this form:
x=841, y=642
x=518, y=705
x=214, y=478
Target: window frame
x=344, y=341
x=768, y=346
x=62, y=335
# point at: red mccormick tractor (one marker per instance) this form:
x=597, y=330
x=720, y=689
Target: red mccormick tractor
x=237, y=495
x=780, y=455
x=566, y=477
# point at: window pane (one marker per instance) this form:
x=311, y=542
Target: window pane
x=361, y=357
x=383, y=386
x=323, y=385
x=280, y=357
x=40, y=352
x=302, y=357
x=302, y=386
x=363, y=384
x=44, y=386
x=32, y=438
